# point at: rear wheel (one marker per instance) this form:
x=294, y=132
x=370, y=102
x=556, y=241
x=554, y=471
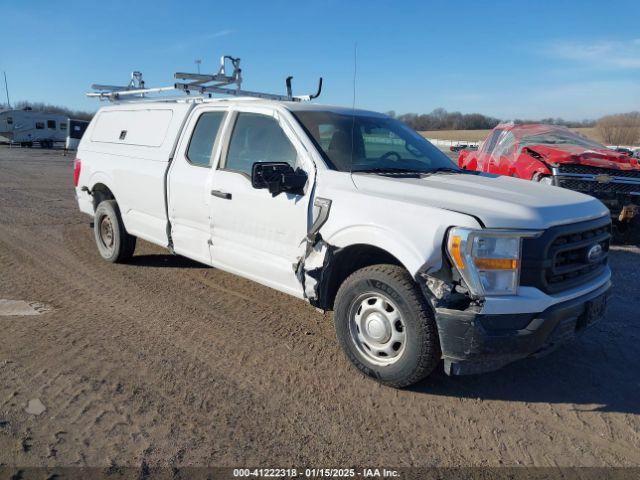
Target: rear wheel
x=385, y=326
x=114, y=243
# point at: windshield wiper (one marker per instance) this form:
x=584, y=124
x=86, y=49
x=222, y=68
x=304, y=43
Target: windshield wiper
x=446, y=169
x=390, y=171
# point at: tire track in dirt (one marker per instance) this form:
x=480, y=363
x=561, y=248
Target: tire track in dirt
x=93, y=280
x=259, y=337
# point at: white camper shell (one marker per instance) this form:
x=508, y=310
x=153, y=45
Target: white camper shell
x=353, y=212
x=29, y=127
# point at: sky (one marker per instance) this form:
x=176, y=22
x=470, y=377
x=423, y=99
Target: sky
x=508, y=59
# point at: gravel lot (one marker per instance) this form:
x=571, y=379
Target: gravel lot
x=167, y=362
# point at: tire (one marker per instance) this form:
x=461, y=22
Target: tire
x=627, y=233
x=368, y=306
x=114, y=243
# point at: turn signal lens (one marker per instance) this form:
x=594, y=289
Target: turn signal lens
x=496, y=263
x=456, y=254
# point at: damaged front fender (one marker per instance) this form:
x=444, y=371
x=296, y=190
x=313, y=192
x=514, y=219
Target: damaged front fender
x=312, y=271
x=311, y=267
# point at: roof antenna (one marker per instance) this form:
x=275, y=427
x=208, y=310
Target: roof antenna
x=289, y=91
x=353, y=105
x=6, y=88
x=355, y=72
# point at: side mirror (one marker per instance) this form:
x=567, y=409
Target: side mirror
x=278, y=177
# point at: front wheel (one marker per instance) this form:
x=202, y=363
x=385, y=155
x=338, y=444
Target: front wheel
x=385, y=325
x=114, y=243
x=628, y=232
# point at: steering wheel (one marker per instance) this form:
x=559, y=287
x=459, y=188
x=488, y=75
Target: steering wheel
x=388, y=155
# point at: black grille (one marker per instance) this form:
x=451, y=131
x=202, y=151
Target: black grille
x=589, y=170
x=557, y=260
x=595, y=187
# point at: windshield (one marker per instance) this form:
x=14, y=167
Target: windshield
x=361, y=143
x=557, y=137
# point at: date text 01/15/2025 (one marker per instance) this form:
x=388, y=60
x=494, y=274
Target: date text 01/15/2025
x=315, y=473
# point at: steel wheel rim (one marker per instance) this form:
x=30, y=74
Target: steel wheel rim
x=377, y=329
x=106, y=235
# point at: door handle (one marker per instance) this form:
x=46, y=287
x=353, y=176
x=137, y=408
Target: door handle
x=220, y=194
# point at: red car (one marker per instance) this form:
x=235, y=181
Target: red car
x=558, y=156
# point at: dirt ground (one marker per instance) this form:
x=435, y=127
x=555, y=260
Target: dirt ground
x=165, y=362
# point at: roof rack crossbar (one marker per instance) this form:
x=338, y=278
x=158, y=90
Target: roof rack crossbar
x=118, y=94
x=203, y=84
x=211, y=89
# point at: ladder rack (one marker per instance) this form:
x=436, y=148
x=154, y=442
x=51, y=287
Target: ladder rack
x=202, y=84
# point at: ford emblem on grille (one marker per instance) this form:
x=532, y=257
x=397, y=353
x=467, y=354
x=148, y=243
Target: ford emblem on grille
x=594, y=253
x=604, y=178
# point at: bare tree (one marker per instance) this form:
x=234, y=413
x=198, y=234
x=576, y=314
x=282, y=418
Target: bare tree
x=620, y=129
x=46, y=107
x=440, y=119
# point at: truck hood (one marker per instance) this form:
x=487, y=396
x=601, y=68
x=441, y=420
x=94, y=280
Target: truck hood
x=498, y=202
x=602, y=157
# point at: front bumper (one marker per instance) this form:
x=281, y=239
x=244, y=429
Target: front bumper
x=617, y=191
x=473, y=342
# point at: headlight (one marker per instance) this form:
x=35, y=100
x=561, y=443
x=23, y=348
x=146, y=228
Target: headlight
x=543, y=179
x=488, y=260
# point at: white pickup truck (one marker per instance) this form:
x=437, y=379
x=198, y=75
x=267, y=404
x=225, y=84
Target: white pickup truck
x=356, y=213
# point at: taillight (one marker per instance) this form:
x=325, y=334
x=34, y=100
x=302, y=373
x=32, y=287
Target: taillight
x=77, y=165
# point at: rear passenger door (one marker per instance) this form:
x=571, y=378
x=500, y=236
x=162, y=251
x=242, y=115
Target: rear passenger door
x=253, y=233
x=189, y=182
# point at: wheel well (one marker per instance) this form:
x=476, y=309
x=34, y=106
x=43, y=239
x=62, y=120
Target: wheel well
x=346, y=261
x=100, y=193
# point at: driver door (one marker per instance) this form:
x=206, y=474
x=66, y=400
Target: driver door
x=255, y=234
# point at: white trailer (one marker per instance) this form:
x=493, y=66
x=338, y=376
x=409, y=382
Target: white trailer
x=29, y=127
